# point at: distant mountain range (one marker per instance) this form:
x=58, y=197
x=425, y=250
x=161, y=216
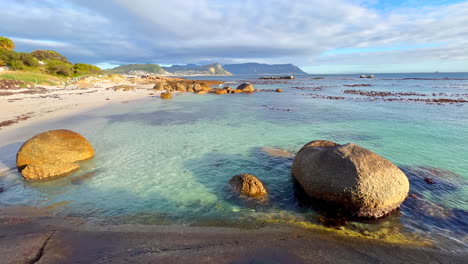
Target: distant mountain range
x=193, y=70
x=263, y=69
x=138, y=69
x=209, y=70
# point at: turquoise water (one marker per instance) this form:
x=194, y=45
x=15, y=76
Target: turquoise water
x=165, y=162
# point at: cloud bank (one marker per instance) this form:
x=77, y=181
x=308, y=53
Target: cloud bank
x=307, y=33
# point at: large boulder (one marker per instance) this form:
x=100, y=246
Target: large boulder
x=248, y=185
x=52, y=154
x=246, y=88
x=354, y=179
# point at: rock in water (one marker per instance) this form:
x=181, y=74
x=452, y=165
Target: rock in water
x=246, y=88
x=52, y=154
x=355, y=179
x=166, y=95
x=220, y=91
x=248, y=185
x=277, y=153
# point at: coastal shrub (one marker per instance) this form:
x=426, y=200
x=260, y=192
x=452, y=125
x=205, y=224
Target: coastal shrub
x=29, y=59
x=86, y=69
x=59, y=68
x=6, y=44
x=2, y=63
x=16, y=65
x=9, y=55
x=46, y=55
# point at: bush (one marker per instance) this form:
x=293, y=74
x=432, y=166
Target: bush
x=16, y=65
x=6, y=44
x=59, y=67
x=9, y=55
x=29, y=59
x=46, y=55
x=2, y=63
x=86, y=69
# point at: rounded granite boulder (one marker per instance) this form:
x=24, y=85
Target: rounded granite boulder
x=246, y=88
x=354, y=179
x=166, y=96
x=248, y=185
x=52, y=154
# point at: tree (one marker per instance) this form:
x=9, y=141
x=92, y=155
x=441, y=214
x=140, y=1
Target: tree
x=46, y=55
x=6, y=44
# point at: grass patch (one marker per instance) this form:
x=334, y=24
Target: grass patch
x=31, y=77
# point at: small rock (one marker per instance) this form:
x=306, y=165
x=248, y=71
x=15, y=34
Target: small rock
x=166, y=95
x=429, y=180
x=248, y=185
x=279, y=90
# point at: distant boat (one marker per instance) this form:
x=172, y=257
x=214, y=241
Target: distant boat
x=436, y=72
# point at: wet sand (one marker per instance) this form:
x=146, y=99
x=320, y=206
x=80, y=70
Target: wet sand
x=30, y=235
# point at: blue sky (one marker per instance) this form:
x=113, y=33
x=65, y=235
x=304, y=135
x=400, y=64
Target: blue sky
x=333, y=36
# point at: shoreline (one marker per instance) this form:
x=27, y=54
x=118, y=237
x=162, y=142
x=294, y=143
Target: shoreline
x=32, y=235
x=26, y=109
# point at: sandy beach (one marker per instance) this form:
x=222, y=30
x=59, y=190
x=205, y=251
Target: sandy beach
x=21, y=108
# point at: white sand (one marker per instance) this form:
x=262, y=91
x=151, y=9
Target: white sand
x=59, y=102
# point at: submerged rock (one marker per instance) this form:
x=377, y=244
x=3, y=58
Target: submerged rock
x=52, y=154
x=356, y=180
x=248, y=185
x=277, y=153
x=246, y=88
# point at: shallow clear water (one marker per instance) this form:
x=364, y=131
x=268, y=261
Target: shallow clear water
x=162, y=162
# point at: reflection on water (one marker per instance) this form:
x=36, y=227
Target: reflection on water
x=166, y=162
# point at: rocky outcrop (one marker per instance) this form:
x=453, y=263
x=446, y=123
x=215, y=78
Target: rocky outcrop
x=354, y=179
x=246, y=88
x=279, y=90
x=52, y=154
x=248, y=185
x=290, y=77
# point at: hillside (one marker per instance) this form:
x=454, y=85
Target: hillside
x=192, y=69
x=138, y=69
x=263, y=69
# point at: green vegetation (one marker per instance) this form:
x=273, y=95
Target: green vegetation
x=46, y=55
x=125, y=69
x=40, y=64
x=86, y=69
x=31, y=77
x=57, y=67
x=6, y=44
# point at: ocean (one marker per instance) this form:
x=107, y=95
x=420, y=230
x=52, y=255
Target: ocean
x=163, y=162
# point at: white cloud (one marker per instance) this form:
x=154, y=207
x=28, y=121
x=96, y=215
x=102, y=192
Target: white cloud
x=282, y=31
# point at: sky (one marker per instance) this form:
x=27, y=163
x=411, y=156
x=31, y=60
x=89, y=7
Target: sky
x=333, y=36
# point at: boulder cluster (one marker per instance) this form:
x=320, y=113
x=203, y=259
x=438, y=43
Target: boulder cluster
x=200, y=88
x=348, y=177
